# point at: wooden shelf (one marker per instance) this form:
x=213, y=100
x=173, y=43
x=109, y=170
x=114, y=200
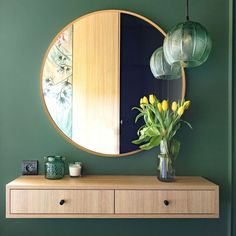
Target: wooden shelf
x=111, y=197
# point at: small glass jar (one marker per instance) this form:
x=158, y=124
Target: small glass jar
x=75, y=169
x=54, y=167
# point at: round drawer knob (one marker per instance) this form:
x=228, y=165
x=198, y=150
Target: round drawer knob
x=166, y=202
x=62, y=202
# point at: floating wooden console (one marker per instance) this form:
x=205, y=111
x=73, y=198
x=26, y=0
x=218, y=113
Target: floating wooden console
x=111, y=197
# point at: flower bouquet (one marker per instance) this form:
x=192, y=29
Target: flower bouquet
x=161, y=123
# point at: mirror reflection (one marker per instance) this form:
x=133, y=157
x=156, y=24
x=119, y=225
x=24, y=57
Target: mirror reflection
x=95, y=71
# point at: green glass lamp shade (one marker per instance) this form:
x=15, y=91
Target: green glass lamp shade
x=161, y=69
x=187, y=44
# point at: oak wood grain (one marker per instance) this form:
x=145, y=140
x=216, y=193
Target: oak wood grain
x=111, y=182
x=96, y=82
x=111, y=197
x=152, y=201
x=75, y=201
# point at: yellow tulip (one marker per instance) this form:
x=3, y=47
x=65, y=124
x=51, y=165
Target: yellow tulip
x=174, y=106
x=164, y=105
x=159, y=106
x=141, y=103
x=152, y=99
x=186, y=105
x=180, y=111
x=145, y=100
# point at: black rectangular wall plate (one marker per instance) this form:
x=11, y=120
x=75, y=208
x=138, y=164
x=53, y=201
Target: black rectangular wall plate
x=29, y=167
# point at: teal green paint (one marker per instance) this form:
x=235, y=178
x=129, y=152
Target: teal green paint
x=230, y=117
x=26, y=29
x=233, y=69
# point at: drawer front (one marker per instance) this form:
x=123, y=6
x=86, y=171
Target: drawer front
x=165, y=202
x=75, y=201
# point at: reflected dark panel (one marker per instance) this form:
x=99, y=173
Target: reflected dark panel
x=139, y=39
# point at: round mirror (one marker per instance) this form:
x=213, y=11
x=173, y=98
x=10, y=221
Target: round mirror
x=94, y=72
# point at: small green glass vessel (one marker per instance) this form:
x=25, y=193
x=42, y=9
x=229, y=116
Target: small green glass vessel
x=54, y=167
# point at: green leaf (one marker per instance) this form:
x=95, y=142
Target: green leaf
x=137, y=108
x=174, y=130
x=142, y=139
x=174, y=148
x=143, y=131
x=188, y=124
x=145, y=117
x=155, y=141
x=170, y=127
x=152, y=131
x=150, y=117
x=139, y=130
x=138, y=116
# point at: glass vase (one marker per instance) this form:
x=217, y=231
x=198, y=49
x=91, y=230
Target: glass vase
x=54, y=167
x=166, y=171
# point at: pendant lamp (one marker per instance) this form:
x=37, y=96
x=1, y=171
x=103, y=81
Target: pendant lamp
x=188, y=44
x=161, y=69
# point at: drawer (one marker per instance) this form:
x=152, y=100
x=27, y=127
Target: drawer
x=177, y=202
x=75, y=201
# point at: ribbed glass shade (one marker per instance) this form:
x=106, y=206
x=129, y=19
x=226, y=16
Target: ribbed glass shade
x=161, y=69
x=187, y=44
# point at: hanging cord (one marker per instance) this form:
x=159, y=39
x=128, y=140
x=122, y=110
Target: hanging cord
x=187, y=11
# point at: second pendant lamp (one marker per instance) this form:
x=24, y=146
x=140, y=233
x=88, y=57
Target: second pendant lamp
x=161, y=69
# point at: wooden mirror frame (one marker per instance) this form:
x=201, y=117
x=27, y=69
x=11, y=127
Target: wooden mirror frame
x=183, y=78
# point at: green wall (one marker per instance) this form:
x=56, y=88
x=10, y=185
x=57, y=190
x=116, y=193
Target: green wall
x=26, y=29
